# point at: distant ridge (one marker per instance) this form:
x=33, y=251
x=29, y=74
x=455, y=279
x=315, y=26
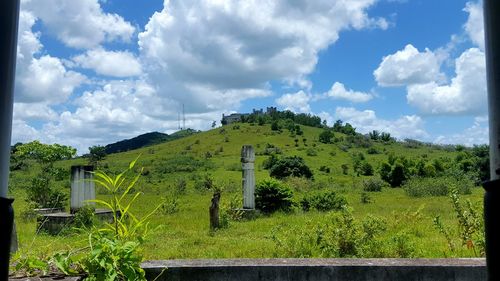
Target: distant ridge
x=146, y=139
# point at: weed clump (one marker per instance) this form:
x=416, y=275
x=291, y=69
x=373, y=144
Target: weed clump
x=323, y=201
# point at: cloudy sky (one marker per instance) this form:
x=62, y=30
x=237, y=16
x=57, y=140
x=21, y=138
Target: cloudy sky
x=93, y=72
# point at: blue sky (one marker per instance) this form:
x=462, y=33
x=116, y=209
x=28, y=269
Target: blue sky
x=94, y=72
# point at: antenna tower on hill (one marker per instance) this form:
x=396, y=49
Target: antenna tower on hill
x=183, y=118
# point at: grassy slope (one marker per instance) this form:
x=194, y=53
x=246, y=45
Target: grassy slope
x=185, y=234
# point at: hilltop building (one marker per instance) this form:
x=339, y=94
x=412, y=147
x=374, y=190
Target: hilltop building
x=236, y=117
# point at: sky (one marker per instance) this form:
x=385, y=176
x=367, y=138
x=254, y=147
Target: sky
x=93, y=72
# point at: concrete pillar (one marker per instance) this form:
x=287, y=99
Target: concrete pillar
x=82, y=187
x=248, y=181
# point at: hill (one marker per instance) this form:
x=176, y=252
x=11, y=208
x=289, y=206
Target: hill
x=145, y=140
x=176, y=174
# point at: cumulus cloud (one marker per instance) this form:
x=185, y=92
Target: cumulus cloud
x=232, y=48
x=478, y=133
x=79, y=24
x=466, y=94
x=110, y=63
x=22, y=132
x=338, y=91
x=40, y=78
x=474, y=27
x=34, y=111
x=298, y=102
x=408, y=126
x=119, y=109
x=408, y=66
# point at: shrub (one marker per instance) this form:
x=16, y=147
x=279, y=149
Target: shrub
x=324, y=169
x=180, y=186
x=398, y=175
x=373, y=185
x=345, y=169
x=272, y=195
x=324, y=201
x=366, y=169
x=84, y=217
x=470, y=231
x=311, y=152
x=293, y=166
x=365, y=198
x=326, y=136
x=372, y=150
x=43, y=195
x=170, y=205
x=440, y=186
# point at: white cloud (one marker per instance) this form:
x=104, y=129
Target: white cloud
x=22, y=132
x=44, y=78
x=478, y=133
x=34, y=111
x=227, y=50
x=297, y=102
x=338, y=91
x=110, y=63
x=409, y=66
x=80, y=24
x=120, y=109
x=465, y=94
x=474, y=27
x=408, y=126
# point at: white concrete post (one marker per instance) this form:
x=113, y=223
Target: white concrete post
x=82, y=187
x=248, y=181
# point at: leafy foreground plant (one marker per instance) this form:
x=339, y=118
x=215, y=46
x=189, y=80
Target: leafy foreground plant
x=113, y=251
x=470, y=227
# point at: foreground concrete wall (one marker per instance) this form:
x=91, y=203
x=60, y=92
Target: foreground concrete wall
x=317, y=269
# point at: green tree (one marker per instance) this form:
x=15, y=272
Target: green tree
x=41, y=192
x=97, y=153
x=385, y=172
x=290, y=166
x=398, y=175
x=45, y=154
x=326, y=136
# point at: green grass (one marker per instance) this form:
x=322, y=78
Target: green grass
x=186, y=234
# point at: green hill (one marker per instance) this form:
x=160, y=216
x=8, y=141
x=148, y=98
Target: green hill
x=145, y=140
x=175, y=173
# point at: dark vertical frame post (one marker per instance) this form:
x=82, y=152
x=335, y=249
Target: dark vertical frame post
x=492, y=192
x=9, y=15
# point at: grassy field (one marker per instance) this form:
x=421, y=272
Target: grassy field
x=185, y=234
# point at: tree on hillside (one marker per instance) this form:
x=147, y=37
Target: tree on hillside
x=97, y=153
x=326, y=136
x=290, y=166
x=41, y=193
x=45, y=154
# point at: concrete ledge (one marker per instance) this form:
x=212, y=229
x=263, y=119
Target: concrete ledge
x=317, y=269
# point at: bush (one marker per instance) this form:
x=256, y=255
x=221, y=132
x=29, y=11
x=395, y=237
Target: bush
x=440, y=186
x=43, y=195
x=373, y=185
x=365, y=198
x=366, y=169
x=324, y=201
x=84, y=217
x=326, y=136
x=311, y=152
x=324, y=169
x=272, y=195
x=372, y=150
x=293, y=166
